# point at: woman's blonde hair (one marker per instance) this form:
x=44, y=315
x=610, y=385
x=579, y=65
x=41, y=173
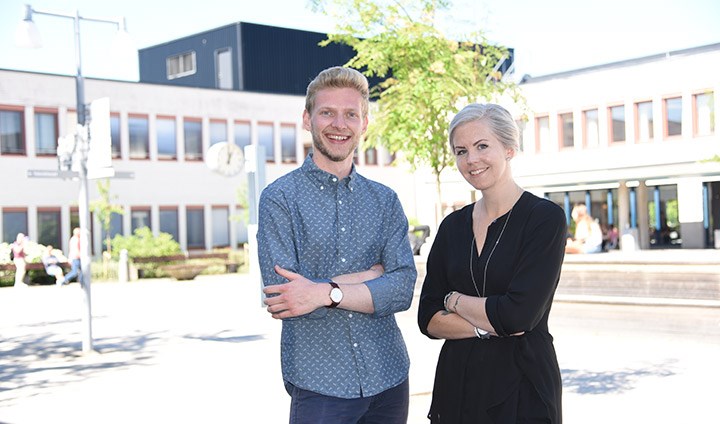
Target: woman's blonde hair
x=499, y=120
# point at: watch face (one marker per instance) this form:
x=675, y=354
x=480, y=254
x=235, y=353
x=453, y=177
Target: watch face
x=336, y=295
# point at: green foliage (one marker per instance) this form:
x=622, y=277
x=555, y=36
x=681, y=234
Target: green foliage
x=104, y=209
x=244, y=205
x=144, y=244
x=432, y=76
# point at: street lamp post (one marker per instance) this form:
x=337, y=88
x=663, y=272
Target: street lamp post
x=27, y=35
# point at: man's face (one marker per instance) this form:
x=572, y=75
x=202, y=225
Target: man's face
x=336, y=123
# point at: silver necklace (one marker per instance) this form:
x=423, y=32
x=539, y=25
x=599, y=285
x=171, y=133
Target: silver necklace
x=472, y=250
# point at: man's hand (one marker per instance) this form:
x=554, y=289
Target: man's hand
x=299, y=296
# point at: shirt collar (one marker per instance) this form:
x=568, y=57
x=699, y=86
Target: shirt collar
x=322, y=178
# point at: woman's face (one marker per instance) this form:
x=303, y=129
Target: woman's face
x=481, y=158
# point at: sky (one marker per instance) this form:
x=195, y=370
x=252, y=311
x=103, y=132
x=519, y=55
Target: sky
x=548, y=36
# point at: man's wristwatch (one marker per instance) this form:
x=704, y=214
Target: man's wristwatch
x=336, y=295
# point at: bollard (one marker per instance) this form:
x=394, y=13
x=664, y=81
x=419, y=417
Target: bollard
x=123, y=267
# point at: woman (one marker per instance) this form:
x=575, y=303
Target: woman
x=18, y=255
x=588, y=234
x=491, y=276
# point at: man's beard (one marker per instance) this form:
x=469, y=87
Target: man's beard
x=335, y=157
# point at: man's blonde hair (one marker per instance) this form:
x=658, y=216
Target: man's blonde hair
x=338, y=77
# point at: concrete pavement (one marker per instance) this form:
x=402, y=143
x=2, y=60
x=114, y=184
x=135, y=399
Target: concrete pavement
x=205, y=351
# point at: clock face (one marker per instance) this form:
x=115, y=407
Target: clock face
x=225, y=158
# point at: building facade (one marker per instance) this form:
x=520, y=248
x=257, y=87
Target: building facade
x=160, y=134
x=634, y=141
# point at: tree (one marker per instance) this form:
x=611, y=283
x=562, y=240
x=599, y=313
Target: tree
x=427, y=77
x=104, y=210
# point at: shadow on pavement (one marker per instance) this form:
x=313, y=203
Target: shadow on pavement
x=586, y=382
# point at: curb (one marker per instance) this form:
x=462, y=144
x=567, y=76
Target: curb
x=640, y=301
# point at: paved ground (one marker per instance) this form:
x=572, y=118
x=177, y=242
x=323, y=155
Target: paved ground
x=204, y=351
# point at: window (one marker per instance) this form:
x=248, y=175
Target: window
x=116, y=228
x=521, y=133
x=195, y=228
x=265, y=139
x=168, y=218
x=567, y=139
x=371, y=156
x=48, y=224
x=617, y=124
x=242, y=134
x=241, y=231
x=287, y=143
x=166, y=137
x=180, y=65
x=14, y=221
x=115, y=135
x=139, y=137
x=591, y=130
x=192, y=129
x=644, y=121
x=223, y=69
x=139, y=218
x=673, y=116
x=389, y=158
x=542, y=134
x=220, y=226
x=46, y=133
x=12, y=135
x=704, y=118
x=218, y=131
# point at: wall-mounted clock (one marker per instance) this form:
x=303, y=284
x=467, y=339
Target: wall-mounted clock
x=225, y=158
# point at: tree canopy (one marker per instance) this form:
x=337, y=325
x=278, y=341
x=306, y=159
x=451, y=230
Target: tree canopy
x=427, y=77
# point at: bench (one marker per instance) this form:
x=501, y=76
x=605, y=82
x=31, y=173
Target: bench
x=40, y=277
x=32, y=266
x=230, y=265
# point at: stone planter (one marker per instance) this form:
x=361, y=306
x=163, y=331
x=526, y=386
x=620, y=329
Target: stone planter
x=183, y=271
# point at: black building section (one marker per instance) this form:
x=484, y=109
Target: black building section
x=260, y=58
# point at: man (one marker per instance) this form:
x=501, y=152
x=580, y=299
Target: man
x=74, y=256
x=336, y=262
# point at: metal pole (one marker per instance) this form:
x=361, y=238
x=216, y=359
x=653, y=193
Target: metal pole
x=80, y=158
x=82, y=143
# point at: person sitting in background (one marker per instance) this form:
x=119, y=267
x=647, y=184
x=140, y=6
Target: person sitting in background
x=52, y=265
x=588, y=234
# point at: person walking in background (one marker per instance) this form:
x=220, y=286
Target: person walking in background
x=17, y=248
x=74, y=257
x=336, y=263
x=52, y=265
x=491, y=276
x=588, y=236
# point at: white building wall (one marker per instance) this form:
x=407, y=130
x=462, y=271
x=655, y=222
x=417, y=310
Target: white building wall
x=156, y=183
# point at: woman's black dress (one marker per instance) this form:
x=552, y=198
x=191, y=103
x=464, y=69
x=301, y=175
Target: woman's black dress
x=507, y=378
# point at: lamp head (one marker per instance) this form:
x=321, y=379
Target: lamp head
x=27, y=34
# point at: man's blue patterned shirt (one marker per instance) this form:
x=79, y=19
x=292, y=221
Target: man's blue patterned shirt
x=314, y=224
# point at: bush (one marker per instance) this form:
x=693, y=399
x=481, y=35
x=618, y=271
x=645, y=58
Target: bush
x=144, y=244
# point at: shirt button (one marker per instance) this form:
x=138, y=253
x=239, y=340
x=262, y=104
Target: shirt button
x=354, y=344
x=334, y=179
x=340, y=201
x=349, y=315
x=342, y=259
x=322, y=187
x=342, y=229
